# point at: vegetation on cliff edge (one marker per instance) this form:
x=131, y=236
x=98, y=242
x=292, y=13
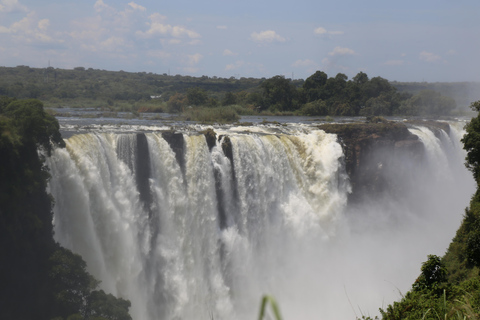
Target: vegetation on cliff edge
x=39, y=279
x=449, y=286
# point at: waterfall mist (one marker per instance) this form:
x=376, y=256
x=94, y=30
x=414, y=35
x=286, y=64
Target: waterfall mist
x=188, y=229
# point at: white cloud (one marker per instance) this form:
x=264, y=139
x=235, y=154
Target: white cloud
x=267, y=36
x=43, y=24
x=222, y=27
x=227, y=52
x=320, y=30
x=11, y=6
x=30, y=30
x=429, y=57
x=137, y=6
x=112, y=43
x=341, y=51
x=159, y=28
x=89, y=32
x=100, y=5
x=323, y=31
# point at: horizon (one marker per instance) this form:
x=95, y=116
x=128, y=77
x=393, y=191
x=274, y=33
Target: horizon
x=430, y=41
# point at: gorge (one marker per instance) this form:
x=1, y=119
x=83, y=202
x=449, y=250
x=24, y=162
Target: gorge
x=201, y=221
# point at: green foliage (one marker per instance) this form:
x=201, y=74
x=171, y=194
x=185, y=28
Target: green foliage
x=106, y=306
x=39, y=279
x=449, y=287
x=433, y=275
x=119, y=91
x=471, y=143
x=360, y=96
x=176, y=103
x=314, y=108
x=71, y=282
x=196, y=96
x=34, y=124
x=278, y=94
x=229, y=99
x=427, y=102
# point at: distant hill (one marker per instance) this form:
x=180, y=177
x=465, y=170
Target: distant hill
x=48, y=83
x=141, y=91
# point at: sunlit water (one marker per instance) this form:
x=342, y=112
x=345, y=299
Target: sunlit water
x=204, y=237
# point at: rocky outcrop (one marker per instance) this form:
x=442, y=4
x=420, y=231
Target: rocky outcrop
x=374, y=152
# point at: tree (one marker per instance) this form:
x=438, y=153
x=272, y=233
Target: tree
x=176, y=103
x=229, y=99
x=316, y=80
x=314, y=86
x=278, y=93
x=433, y=274
x=74, y=290
x=471, y=143
x=39, y=279
x=34, y=124
x=107, y=306
x=196, y=96
x=361, y=78
x=315, y=108
x=72, y=284
x=377, y=86
x=428, y=102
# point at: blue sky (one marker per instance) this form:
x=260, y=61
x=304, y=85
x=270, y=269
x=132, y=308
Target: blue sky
x=421, y=40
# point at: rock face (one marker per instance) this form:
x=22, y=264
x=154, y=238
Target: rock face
x=374, y=152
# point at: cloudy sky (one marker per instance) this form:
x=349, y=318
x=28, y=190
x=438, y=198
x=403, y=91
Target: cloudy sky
x=410, y=40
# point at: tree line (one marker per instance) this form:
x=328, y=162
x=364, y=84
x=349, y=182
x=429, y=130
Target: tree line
x=318, y=95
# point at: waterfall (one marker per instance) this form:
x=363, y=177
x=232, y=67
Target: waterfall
x=188, y=230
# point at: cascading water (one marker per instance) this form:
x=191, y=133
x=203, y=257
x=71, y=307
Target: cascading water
x=188, y=230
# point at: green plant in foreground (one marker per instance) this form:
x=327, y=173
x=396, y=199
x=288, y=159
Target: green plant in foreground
x=273, y=303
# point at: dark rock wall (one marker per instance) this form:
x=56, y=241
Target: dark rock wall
x=378, y=156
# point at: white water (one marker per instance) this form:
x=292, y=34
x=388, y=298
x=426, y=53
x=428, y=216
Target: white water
x=277, y=222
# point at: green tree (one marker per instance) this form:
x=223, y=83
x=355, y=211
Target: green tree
x=229, y=99
x=35, y=125
x=433, y=274
x=315, y=108
x=38, y=279
x=278, y=94
x=197, y=96
x=75, y=294
x=314, y=86
x=428, y=102
x=107, y=306
x=471, y=143
x=361, y=78
x=72, y=284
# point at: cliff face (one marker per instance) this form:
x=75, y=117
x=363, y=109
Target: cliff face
x=374, y=152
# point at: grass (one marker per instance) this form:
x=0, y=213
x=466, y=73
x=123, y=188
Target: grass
x=263, y=308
